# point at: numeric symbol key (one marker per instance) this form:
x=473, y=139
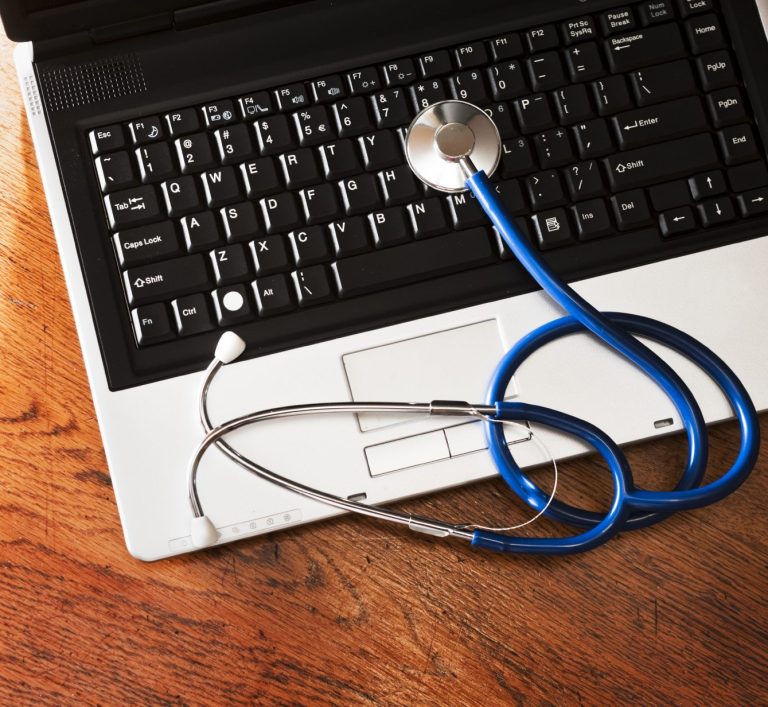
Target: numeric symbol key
x=352, y=117
x=313, y=126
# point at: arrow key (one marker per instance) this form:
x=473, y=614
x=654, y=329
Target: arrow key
x=707, y=185
x=754, y=203
x=717, y=211
x=677, y=221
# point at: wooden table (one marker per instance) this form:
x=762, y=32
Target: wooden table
x=345, y=611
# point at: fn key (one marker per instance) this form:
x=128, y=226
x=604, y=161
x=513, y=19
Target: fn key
x=151, y=324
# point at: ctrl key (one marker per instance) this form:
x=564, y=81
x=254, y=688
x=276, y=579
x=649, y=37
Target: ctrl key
x=151, y=324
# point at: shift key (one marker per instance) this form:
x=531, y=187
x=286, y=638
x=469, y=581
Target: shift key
x=166, y=280
x=662, y=162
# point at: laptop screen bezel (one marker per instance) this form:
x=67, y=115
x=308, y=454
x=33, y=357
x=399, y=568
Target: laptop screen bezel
x=22, y=24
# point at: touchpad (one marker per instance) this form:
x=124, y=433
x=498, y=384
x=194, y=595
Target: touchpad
x=456, y=364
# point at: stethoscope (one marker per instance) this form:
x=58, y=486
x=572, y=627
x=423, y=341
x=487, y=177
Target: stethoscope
x=454, y=146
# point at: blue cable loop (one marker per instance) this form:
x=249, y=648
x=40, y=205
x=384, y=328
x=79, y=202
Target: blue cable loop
x=631, y=508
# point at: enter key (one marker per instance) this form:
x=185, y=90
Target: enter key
x=665, y=121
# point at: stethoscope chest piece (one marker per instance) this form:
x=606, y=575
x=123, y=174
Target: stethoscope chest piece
x=444, y=136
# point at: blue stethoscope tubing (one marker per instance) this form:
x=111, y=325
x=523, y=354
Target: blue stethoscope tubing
x=631, y=507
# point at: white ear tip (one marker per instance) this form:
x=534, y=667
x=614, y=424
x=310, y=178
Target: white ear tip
x=203, y=532
x=230, y=347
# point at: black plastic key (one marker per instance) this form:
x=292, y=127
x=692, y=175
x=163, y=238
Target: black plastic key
x=716, y=70
x=155, y=162
x=660, y=122
x=352, y=117
x=312, y=285
x=435, y=64
x=631, y=210
x=433, y=257
x=230, y=264
x=219, y=113
x=507, y=81
x=546, y=72
x=291, y=97
x=553, y=229
x=151, y=324
x=107, y=139
x=310, y=246
x=146, y=130
x=280, y=212
x=272, y=295
x=397, y=73
x=181, y=195
x=425, y=93
x=727, y=107
x=181, y=122
x=677, y=221
x=468, y=56
x=534, y=113
x=339, y=160
x=194, y=153
x=705, y=34
x=320, y=203
x=328, y=89
x=274, y=135
x=427, y=217
x=659, y=163
x=313, y=126
x=657, y=84
x=146, y=244
x=471, y=86
x=359, y=194
x=363, y=80
x=389, y=227
x=234, y=143
x=619, y=20
x=240, y=222
x=398, y=185
x=585, y=62
x=349, y=236
x=270, y=255
x=115, y=171
x=391, y=108
x=232, y=305
x=738, y=144
x=193, y=314
x=300, y=168
x=507, y=46
x=592, y=219
x=132, y=207
x=165, y=280
x=221, y=186
x=645, y=47
x=260, y=177
x=201, y=231
x=380, y=150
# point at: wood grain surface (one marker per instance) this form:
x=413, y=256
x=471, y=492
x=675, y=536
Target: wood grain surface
x=345, y=611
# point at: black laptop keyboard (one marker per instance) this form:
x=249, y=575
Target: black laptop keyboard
x=261, y=205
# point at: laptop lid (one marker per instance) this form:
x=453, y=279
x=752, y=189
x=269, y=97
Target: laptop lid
x=35, y=20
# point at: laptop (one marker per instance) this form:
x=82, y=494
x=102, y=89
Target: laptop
x=233, y=165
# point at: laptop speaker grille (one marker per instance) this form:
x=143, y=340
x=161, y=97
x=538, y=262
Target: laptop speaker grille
x=34, y=106
x=93, y=82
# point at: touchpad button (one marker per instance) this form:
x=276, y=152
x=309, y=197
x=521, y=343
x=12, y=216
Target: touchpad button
x=456, y=364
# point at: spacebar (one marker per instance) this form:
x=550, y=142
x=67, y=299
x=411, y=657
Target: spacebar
x=414, y=262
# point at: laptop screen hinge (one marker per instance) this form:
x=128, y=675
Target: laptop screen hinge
x=132, y=28
x=224, y=10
